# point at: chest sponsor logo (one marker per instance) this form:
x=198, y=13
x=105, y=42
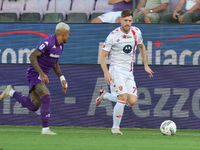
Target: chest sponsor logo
x=54, y=55
x=127, y=49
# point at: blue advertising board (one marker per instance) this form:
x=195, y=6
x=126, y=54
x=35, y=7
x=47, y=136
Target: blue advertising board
x=173, y=93
x=166, y=44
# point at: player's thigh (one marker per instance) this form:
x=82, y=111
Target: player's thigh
x=41, y=90
x=35, y=99
x=131, y=91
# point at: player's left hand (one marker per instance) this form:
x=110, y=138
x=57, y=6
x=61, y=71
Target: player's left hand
x=64, y=83
x=149, y=71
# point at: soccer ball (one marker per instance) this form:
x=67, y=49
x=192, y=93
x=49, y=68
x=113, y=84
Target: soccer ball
x=168, y=127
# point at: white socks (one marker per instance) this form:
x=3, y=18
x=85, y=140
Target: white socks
x=44, y=129
x=118, y=113
x=110, y=97
x=11, y=92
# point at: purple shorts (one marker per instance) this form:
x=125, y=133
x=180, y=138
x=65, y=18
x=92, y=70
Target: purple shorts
x=32, y=82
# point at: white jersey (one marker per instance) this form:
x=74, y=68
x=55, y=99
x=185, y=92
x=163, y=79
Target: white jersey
x=122, y=47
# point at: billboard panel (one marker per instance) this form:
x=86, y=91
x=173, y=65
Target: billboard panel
x=173, y=93
x=166, y=44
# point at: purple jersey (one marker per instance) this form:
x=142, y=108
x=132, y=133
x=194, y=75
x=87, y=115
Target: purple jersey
x=122, y=6
x=51, y=51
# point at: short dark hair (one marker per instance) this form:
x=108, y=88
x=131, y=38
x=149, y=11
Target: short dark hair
x=126, y=13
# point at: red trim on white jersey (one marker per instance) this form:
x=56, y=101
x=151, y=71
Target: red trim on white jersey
x=122, y=102
x=135, y=38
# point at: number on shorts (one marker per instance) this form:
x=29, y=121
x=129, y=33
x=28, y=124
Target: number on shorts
x=134, y=89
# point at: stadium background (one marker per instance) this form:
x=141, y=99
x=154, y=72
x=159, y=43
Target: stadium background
x=173, y=93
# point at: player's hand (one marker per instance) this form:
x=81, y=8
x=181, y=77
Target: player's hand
x=149, y=71
x=64, y=83
x=108, y=78
x=44, y=78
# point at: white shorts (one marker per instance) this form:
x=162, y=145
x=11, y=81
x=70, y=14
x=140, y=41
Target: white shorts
x=110, y=17
x=123, y=82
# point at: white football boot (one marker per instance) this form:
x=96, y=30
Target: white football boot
x=48, y=132
x=5, y=93
x=99, y=99
x=116, y=131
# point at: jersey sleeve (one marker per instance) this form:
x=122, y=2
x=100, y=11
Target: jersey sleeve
x=140, y=39
x=43, y=46
x=108, y=43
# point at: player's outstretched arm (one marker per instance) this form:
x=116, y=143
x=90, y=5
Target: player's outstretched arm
x=58, y=72
x=33, y=59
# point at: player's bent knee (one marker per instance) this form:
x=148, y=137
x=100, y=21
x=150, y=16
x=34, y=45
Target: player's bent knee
x=132, y=103
x=132, y=99
x=46, y=99
x=36, y=102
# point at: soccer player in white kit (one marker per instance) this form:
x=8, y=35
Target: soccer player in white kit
x=122, y=43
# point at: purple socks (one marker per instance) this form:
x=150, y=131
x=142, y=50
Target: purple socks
x=45, y=110
x=25, y=101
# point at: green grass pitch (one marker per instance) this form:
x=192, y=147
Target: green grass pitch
x=92, y=138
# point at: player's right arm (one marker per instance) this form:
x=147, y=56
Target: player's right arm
x=33, y=59
x=107, y=75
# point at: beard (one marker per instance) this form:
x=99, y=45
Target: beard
x=126, y=28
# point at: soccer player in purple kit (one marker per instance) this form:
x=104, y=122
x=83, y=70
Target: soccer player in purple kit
x=43, y=58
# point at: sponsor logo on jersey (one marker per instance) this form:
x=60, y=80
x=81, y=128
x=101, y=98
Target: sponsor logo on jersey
x=126, y=36
x=127, y=49
x=54, y=55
